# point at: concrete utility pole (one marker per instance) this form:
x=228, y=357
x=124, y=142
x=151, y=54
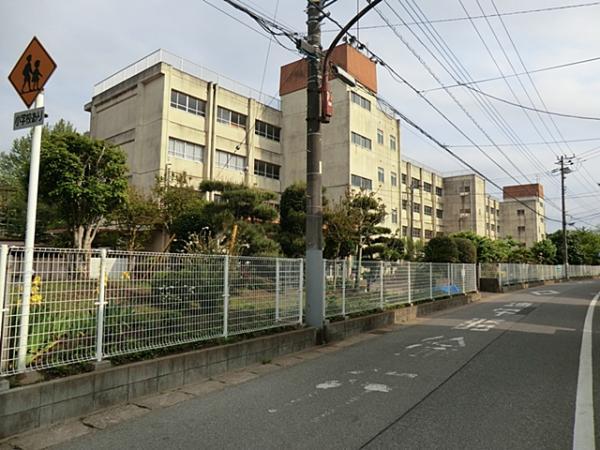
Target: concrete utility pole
x=564, y=170
x=315, y=289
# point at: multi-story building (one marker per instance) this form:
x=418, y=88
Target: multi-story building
x=523, y=213
x=361, y=144
x=172, y=116
x=468, y=207
x=422, y=201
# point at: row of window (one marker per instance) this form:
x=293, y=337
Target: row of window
x=416, y=232
x=427, y=187
x=360, y=101
x=365, y=142
x=194, y=152
x=361, y=182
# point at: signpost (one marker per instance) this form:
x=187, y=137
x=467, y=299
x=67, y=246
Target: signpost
x=28, y=77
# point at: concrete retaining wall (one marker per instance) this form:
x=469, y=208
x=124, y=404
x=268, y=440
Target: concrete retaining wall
x=28, y=407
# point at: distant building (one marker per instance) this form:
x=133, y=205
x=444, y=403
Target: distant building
x=468, y=207
x=523, y=213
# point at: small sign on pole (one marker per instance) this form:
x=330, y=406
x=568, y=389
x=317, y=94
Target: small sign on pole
x=28, y=118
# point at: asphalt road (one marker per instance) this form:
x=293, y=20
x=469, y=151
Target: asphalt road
x=501, y=373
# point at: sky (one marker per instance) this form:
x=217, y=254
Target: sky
x=93, y=39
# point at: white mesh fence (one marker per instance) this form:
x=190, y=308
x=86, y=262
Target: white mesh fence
x=508, y=274
x=88, y=305
x=353, y=287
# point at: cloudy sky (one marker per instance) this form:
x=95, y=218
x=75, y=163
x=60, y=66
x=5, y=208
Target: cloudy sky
x=91, y=40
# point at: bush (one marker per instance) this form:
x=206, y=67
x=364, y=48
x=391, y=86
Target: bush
x=441, y=249
x=467, y=252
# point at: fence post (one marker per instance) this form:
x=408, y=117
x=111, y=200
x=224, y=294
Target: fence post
x=344, y=270
x=101, y=306
x=381, y=285
x=226, y=296
x=3, y=288
x=277, y=287
x=499, y=266
x=301, y=291
x=449, y=279
x=431, y=281
x=409, y=283
x=324, y=312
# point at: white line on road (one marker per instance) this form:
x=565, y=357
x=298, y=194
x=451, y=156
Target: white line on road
x=583, y=434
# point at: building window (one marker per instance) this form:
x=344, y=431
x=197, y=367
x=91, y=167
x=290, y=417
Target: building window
x=361, y=141
x=267, y=130
x=520, y=212
x=521, y=229
x=362, y=183
x=416, y=232
x=498, y=229
x=186, y=150
x=380, y=175
x=417, y=207
x=188, y=103
x=380, y=137
x=231, y=117
x=232, y=161
x=439, y=213
x=416, y=183
x=427, y=187
x=360, y=101
x=438, y=191
x=465, y=211
x=394, y=178
x=404, y=204
x=403, y=178
x=428, y=234
x=466, y=189
x=392, y=142
x=265, y=169
x=394, y=215
x=404, y=231
x=427, y=210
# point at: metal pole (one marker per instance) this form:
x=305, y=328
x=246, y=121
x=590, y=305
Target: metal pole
x=344, y=269
x=564, y=217
x=431, y=281
x=409, y=283
x=277, y=288
x=449, y=279
x=34, y=172
x=301, y=291
x=101, y=306
x=3, y=288
x=315, y=288
x=381, y=299
x=226, y=296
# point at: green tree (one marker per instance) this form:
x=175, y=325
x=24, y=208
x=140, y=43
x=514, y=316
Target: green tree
x=136, y=218
x=576, y=251
x=441, y=249
x=467, y=252
x=85, y=179
x=292, y=222
x=544, y=252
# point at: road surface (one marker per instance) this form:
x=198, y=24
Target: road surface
x=504, y=373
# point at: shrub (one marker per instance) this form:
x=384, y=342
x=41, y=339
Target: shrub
x=467, y=252
x=441, y=249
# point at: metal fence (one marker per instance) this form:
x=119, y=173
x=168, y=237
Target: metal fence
x=351, y=288
x=508, y=274
x=90, y=305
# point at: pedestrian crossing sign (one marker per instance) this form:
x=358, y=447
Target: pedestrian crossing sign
x=32, y=71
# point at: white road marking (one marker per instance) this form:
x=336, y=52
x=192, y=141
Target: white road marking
x=376, y=387
x=583, y=433
x=329, y=384
x=548, y=292
x=403, y=374
x=272, y=411
x=478, y=324
x=356, y=372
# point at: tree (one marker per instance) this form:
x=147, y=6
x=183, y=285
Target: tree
x=441, y=249
x=544, y=252
x=467, y=253
x=576, y=252
x=85, y=179
x=136, y=218
x=292, y=222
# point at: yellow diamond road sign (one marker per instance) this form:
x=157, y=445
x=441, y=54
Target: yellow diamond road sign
x=32, y=71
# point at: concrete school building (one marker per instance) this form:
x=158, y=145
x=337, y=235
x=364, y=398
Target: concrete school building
x=174, y=117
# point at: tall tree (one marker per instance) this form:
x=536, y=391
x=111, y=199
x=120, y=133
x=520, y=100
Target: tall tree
x=136, y=218
x=292, y=222
x=85, y=178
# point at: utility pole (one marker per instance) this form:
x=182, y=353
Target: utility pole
x=564, y=170
x=315, y=289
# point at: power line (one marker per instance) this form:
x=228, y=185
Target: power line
x=543, y=69
x=529, y=143
x=483, y=16
x=518, y=105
